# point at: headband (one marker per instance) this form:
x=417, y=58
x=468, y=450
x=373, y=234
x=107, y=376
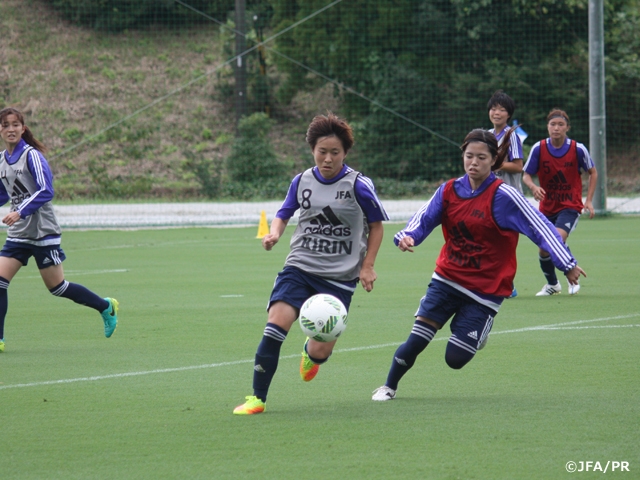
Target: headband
x=558, y=115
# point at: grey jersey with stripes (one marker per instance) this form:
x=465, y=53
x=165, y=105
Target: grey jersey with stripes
x=20, y=185
x=331, y=237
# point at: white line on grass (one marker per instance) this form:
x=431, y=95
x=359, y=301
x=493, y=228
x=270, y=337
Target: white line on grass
x=76, y=273
x=557, y=326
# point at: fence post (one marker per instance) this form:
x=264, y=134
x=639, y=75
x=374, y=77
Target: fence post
x=597, y=107
x=241, y=69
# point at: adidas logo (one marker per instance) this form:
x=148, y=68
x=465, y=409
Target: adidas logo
x=328, y=224
x=400, y=361
x=473, y=335
x=558, y=182
x=46, y=260
x=461, y=232
x=259, y=369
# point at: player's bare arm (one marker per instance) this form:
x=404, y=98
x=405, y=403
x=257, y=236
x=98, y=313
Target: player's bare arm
x=538, y=192
x=367, y=272
x=588, y=204
x=513, y=167
x=277, y=229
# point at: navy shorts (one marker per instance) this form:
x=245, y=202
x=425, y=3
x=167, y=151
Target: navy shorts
x=46, y=256
x=471, y=322
x=566, y=219
x=294, y=287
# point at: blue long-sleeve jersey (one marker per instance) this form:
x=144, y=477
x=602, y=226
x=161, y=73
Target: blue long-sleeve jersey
x=511, y=211
x=41, y=173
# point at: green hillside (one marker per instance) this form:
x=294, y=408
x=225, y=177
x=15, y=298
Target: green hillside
x=123, y=113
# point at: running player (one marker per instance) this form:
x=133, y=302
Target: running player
x=33, y=229
x=481, y=219
x=558, y=162
x=334, y=246
x=501, y=108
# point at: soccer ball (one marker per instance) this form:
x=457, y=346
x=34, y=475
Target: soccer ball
x=323, y=317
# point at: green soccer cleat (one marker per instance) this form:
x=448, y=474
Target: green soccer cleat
x=252, y=406
x=110, y=317
x=1, y=345
x=308, y=369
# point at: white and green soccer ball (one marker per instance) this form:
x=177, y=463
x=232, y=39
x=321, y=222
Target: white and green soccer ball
x=323, y=317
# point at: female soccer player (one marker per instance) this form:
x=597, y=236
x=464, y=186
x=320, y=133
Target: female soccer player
x=558, y=162
x=335, y=244
x=481, y=218
x=501, y=108
x=33, y=229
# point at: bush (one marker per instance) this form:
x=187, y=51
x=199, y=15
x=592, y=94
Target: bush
x=252, y=156
x=205, y=171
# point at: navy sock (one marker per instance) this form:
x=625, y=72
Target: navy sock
x=406, y=354
x=266, y=361
x=4, y=303
x=549, y=270
x=81, y=295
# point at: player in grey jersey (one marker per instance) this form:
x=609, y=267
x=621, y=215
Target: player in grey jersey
x=334, y=246
x=501, y=108
x=26, y=180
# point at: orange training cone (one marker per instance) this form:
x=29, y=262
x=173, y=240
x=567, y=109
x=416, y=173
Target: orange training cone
x=263, y=228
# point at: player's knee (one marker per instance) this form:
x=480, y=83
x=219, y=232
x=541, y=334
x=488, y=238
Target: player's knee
x=456, y=363
x=457, y=357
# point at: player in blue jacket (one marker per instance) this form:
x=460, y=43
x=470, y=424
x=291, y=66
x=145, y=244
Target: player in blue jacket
x=33, y=229
x=558, y=162
x=481, y=219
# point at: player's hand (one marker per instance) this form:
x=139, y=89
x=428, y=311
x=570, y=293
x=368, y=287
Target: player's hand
x=11, y=218
x=573, y=275
x=539, y=193
x=405, y=244
x=367, y=277
x=588, y=206
x=269, y=240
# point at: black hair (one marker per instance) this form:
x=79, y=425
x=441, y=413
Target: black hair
x=504, y=100
x=327, y=126
x=489, y=139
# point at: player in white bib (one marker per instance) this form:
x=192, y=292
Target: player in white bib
x=26, y=182
x=334, y=247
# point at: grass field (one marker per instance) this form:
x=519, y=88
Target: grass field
x=558, y=381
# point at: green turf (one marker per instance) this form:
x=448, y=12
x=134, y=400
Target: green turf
x=155, y=400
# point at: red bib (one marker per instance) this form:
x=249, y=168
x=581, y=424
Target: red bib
x=477, y=254
x=560, y=178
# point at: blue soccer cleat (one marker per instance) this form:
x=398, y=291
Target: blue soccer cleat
x=110, y=317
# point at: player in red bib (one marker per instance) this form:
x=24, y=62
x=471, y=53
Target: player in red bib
x=481, y=218
x=558, y=162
